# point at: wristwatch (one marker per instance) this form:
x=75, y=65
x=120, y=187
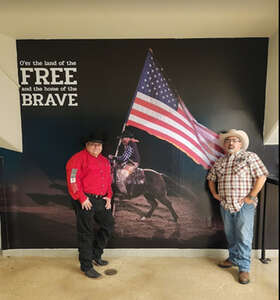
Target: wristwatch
x=252, y=198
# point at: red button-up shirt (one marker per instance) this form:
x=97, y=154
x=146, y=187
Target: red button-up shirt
x=88, y=174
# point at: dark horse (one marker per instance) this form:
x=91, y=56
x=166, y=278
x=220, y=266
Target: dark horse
x=152, y=187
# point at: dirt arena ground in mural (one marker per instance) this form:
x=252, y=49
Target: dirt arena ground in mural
x=131, y=222
x=45, y=218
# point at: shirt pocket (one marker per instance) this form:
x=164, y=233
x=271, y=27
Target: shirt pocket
x=220, y=170
x=241, y=169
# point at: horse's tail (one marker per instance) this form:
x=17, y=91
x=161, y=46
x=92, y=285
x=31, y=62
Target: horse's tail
x=174, y=188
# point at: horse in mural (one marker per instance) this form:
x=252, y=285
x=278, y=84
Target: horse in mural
x=149, y=183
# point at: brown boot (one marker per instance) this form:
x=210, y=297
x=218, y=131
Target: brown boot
x=244, y=277
x=226, y=264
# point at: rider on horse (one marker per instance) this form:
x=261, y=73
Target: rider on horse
x=128, y=161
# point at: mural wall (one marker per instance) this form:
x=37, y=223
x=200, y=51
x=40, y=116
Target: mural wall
x=70, y=88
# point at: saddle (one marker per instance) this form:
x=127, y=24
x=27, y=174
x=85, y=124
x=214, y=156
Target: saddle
x=137, y=177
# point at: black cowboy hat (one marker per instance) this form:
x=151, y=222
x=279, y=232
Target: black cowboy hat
x=126, y=134
x=96, y=137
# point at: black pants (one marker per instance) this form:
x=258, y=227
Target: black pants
x=91, y=244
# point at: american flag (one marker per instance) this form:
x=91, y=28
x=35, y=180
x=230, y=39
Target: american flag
x=159, y=110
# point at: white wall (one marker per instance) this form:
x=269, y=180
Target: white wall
x=10, y=118
x=41, y=19
x=271, y=119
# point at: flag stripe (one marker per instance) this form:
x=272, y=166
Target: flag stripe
x=211, y=134
x=160, y=107
x=159, y=110
x=207, y=133
x=181, y=132
x=150, y=116
x=170, y=117
x=169, y=139
x=213, y=137
x=206, y=144
x=162, y=116
x=162, y=113
x=171, y=135
x=209, y=137
x=216, y=149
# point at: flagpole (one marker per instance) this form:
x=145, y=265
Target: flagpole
x=128, y=113
x=124, y=125
x=119, y=143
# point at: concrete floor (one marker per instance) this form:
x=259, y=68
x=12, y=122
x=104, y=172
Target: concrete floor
x=169, y=278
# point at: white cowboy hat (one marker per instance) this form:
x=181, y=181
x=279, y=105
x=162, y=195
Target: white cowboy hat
x=242, y=135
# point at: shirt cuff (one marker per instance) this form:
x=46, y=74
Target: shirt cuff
x=83, y=198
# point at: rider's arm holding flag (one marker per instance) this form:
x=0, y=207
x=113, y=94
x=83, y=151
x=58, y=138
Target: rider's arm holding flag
x=126, y=155
x=130, y=151
x=128, y=160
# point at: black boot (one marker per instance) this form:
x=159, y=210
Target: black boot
x=91, y=273
x=100, y=262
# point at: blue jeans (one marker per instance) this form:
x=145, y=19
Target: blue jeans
x=239, y=231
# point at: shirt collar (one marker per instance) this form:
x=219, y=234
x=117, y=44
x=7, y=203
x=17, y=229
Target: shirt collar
x=239, y=153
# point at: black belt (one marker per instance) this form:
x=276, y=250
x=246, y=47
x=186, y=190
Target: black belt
x=94, y=196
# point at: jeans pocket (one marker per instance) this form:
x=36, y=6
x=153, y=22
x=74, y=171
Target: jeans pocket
x=249, y=205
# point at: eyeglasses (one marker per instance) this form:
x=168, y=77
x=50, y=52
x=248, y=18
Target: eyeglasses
x=232, y=140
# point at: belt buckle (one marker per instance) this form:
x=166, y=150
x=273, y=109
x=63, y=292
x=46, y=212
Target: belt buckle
x=94, y=196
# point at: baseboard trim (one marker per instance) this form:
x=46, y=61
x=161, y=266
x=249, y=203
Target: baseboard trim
x=154, y=252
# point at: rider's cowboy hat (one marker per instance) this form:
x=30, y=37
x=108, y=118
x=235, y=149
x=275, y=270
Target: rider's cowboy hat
x=126, y=134
x=242, y=135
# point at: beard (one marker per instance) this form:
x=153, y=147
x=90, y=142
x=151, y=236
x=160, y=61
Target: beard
x=231, y=151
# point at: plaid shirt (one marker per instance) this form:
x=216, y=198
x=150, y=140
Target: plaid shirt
x=128, y=151
x=236, y=175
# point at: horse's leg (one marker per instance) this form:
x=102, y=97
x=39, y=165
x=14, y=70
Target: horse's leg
x=130, y=190
x=165, y=201
x=153, y=204
x=121, y=176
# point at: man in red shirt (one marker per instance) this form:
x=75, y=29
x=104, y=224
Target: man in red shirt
x=89, y=184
